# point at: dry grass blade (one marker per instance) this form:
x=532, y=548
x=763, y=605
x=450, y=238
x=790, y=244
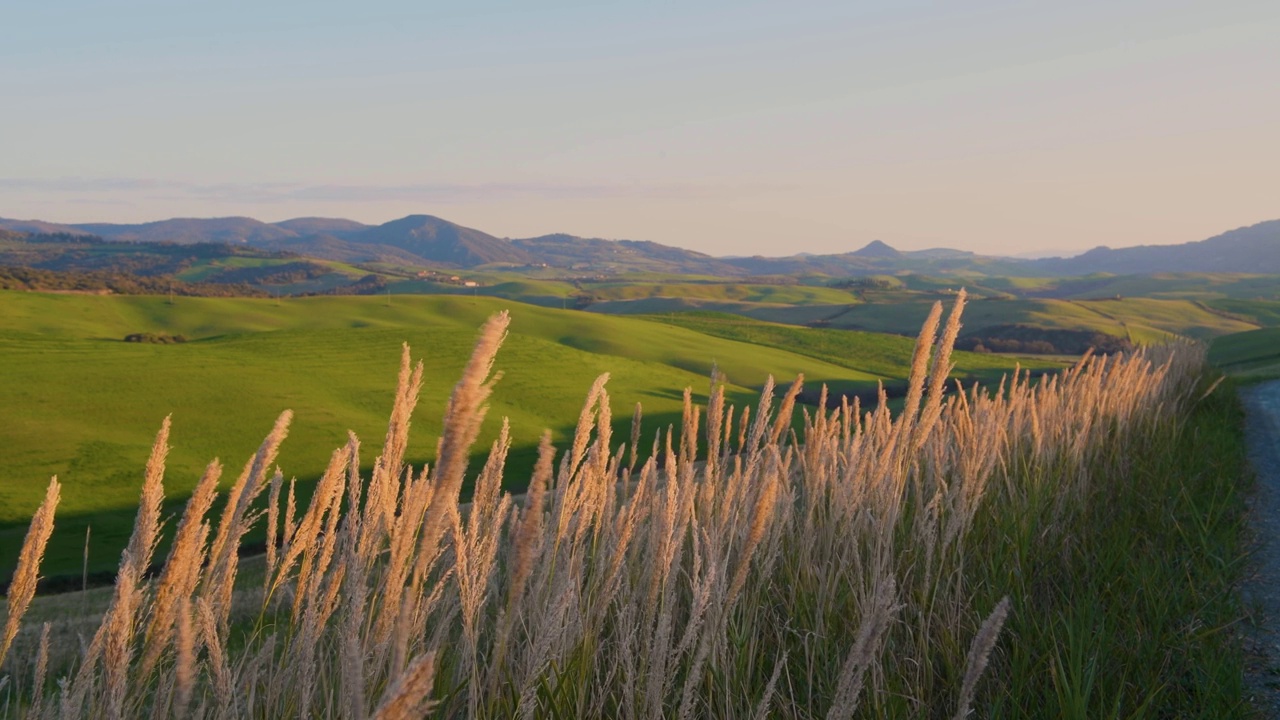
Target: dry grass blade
x=530, y=531
x=42, y=668
x=184, y=659
x=182, y=569
x=920, y=366
x=23, y=586
x=874, y=627
x=979, y=654
x=246, y=489
x=462, y=422
x=407, y=698
x=146, y=527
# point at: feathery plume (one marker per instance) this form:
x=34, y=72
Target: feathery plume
x=920, y=365
x=23, y=586
x=979, y=654
x=462, y=421
x=146, y=527
x=407, y=699
x=42, y=668
x=184, y=659
x=871, y=633
x=182, y=569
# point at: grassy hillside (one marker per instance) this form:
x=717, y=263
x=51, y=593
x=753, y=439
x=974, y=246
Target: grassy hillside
x=1139, y=319
x=1249, y=355
x=887, y=356
x=1092, y=522
x=1165, y=286
x=1262, y=312
x=84, y=405
x=788, y=294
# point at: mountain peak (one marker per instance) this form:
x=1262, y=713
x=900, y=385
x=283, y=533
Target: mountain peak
x=877, y=249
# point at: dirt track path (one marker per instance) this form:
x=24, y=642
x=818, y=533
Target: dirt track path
x=1261, y=592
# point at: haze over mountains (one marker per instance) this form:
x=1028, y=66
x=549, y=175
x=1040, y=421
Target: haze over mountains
x=432, y=241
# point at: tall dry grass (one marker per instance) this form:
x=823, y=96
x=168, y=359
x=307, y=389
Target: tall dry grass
x=754, y=564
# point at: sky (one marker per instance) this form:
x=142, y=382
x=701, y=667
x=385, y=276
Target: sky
x=733, y=128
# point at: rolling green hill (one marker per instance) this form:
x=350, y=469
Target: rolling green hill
x=1262, y=312
x=1251, y=355
x=84, y=405
x=1139, y=319
x=887, y=356
x=1169, y=286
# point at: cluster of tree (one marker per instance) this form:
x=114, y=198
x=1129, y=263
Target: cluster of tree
x=370, y=284
x=58, y=238
x=98, y=281
x=293, y=272
x=155, y=338
x=1033, y=340
x=64, y=251
x=865, y=283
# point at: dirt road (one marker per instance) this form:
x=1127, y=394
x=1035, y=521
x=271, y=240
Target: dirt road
x=1261, y=592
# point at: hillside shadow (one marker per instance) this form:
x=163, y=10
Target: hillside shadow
x=107, y=530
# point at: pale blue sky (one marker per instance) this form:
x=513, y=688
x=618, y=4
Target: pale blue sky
x=732, y=128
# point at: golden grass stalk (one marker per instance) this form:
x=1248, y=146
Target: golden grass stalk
x=941, y=369
x=300, y=541
x=407, y=698
x=783, y=421
x=400, y=558
x=752, y=441
x=146, y=527
x=23, y=586
x=762, y=708
x=117, y=632
x=290, y=511
x=979, y=654
x=871, y=633
x=42, y=669
x=531, y=525
x=182, y=569
x=236, y=519
x=760, y=519
x=218, y=666
x=920, y=367
x=389, y=466
x=184, y=658
x=273, y=521
x=636, y=417
x=462, y=421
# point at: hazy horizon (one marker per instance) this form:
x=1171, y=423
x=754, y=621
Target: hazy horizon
x=1034, y=254
x=727, y=128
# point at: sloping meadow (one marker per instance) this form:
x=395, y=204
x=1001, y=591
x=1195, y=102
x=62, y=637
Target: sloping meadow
x=734, y=567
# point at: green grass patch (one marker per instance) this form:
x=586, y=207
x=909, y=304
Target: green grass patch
x=1249, y=356
x=1129, y=609
x=1262, y=312
x=879, y=354
x=1141, y=320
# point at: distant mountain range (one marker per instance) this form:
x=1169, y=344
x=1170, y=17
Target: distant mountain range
x=425, y=240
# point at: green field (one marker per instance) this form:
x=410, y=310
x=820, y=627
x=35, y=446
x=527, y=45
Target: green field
x=84, y=405
x=1262, y=312
x=1139, y=319
x=1142, y=320
x=1248, y=356
x=876, y=353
